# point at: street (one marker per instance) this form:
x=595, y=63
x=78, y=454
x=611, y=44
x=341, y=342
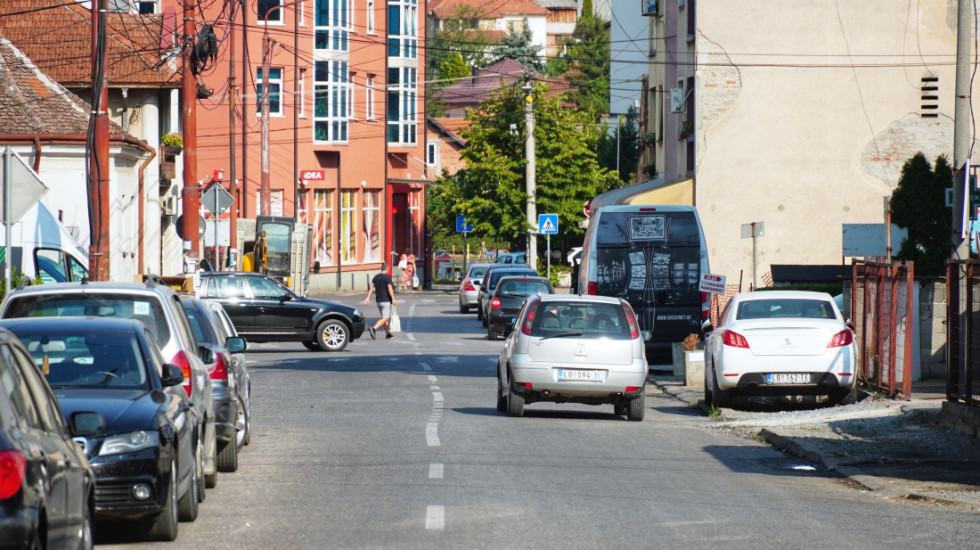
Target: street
x=397, y=444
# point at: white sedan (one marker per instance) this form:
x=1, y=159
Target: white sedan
x=782, y=342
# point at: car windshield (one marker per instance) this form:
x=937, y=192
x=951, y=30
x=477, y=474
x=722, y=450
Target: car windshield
x=142, y=308
x=86, y=360
x=266, y=288
x=785, y=308
x=477, y=272
x=523, y=288
x=593, y=320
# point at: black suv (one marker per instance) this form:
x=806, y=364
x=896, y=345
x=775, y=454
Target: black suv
x=265, y=310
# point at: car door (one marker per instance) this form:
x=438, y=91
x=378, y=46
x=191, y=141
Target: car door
x=230, y=291
x=273, y=314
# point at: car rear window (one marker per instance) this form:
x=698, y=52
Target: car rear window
x=591, y=319
x=496, y=275
x=477, y=272
x=523, y=288
x=663, y=228
x=88, y=360
x=144, y=308
x=785, y=308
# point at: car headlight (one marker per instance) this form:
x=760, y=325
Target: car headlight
x=129, y=442
x=357, y=314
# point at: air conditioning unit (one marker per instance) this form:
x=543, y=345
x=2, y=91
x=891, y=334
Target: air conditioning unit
x=677, y=100
x=649, y=7
x=168, y=205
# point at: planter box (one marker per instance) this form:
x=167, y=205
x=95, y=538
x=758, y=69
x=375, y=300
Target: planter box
x=694, y=368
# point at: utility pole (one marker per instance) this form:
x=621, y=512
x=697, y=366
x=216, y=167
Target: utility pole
x=265, y=188
x=297, y=101
x=961, y=129
x=232, y=173
x=191, y=196
x=532, y=208
x=98, y=158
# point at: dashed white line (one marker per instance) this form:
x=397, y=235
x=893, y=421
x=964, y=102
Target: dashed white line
x=436, y=470
x=435, y=517
x=432, y=434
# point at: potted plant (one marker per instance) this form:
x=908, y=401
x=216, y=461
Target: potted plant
x=693, y=360
x=686, y=131
x=173, y=143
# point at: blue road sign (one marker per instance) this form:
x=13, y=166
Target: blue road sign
x=462, y=225
x=548, y=224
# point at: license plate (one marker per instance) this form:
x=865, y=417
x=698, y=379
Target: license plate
x=788, y=378
x=575, y=375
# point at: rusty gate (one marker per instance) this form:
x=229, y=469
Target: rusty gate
x=882, y=312
x=963, y=331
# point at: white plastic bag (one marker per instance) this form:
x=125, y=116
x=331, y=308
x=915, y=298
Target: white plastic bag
x=403, y=264
x=395, y=323
x=415, y=281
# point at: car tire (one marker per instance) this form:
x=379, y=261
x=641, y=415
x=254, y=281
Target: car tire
x=332, y=335
x=228, y=456
x=501, y=396
x=312, y=346
x=637, y=408
x=88, y=537
x=210, y=481
x=720, y=397
x=491, y=335
x=242, y=426
x=479, y=313
x=163, y=527
x=187, y=506
x=709, y=400
x=847, y=397
x=464, y=309
x=515, y=402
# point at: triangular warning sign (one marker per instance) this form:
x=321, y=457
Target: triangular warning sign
x=548, y=227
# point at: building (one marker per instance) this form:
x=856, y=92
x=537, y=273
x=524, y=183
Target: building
x=804, y=127
x=494, y=18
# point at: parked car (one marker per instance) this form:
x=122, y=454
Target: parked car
x=47, y=488
x=265, y=310
x=469, y=287
x=490, y=278
x=229, y=378
x=507, y=299
x=243, y=425
x=143, y=454
x=511, y=258
x=783, y=342
x=155, y=305
x=571, y=348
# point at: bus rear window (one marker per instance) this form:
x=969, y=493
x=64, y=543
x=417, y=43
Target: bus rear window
x=659, y=228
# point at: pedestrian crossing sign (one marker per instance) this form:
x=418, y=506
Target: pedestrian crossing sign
x=548, y=224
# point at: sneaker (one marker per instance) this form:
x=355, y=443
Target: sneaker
x=373, y=333
x=389, y=335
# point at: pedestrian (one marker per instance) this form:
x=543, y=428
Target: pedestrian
x=484, y=254
x=408, y=271
x=383, y=289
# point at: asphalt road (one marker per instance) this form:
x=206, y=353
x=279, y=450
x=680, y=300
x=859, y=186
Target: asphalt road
x=397, y=444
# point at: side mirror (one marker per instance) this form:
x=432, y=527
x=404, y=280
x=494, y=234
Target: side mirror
x=285, y=297
x=849, y=323
x=477, y=282
x=86, y=424
x=235, y=344
x=706, y=327
x=646, y=335
x=171, y=376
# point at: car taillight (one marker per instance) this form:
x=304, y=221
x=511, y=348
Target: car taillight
x=13, y=465
x=705, y=305
x=532, y=310
x=841, y=339
x=734, y=339
x=468, y=287
x=593, y=288
x=184, y=363
x=495, y=303
x=220, y=371
x=631, y=320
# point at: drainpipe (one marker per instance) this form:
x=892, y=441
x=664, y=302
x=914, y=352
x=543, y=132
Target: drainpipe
x=142, y=208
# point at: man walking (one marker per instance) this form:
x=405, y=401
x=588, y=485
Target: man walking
x=384, y=291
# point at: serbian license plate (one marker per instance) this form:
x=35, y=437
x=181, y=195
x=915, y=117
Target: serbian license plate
x=788, y=378
x=577, y=375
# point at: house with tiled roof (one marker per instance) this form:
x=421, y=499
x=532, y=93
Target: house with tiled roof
x=47, y=125
x=56, y=36
x=496, y=16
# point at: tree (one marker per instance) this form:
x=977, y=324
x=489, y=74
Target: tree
x=461, y=43
x=491, y=189
x=517, y=46
x=627, y=148
x=588, y=59
x=918, y=205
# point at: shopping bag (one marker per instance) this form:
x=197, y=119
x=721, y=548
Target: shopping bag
x=415, y=281
x=395, y=322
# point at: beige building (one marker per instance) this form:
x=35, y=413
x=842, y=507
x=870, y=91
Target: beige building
x=798, y=115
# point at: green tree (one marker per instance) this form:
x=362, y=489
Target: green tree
x=918, y=205
x=491, y=189
x=588, y=64
x=517, y=46
x=627, y=148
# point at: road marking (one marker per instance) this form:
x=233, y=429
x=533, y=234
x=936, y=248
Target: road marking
x=425, y=366
x=435, y=470
x=411, y=336
x=432, y=434
x=435, y=517
x=432, y=379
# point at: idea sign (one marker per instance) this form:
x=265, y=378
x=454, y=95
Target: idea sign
x=312, y=175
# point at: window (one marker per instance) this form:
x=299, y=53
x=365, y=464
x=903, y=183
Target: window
x=14, y=389
x=332, y=25
x=369, y=17
x=301, y=100
x=330, y=101
x=350, y=95
x=348, y=227
x=432, y=154
x=403, y=28
x=275, y=91
x=402, y=96
x=323, y=227
x=270, y=11
x=275, y=201
x=369, y=97
x=372, y=226
x=148, y=7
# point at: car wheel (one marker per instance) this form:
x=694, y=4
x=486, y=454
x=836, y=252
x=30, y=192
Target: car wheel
x=332, y=335
x=847, y=397
x=312, y=346
x=228, y=457
x=708, y=394
x=463, y=309
x=637, y=408
x=479, y=313
x=491, y=335
x=163, y=527
x=515, y=401
x=211, y=447
x=87, y=539
x=720, y=397
x=501, y=396
x=619, y=409
x=242, y=427
x=188, y=505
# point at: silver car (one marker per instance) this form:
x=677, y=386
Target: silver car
x=469, y=287
x=571, y=348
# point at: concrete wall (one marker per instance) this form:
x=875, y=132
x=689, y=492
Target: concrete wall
x=932, y=328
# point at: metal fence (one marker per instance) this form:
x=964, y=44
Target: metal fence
x=963, y=331
x=882, y=306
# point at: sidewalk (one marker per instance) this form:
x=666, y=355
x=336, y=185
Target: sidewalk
x=896, y=449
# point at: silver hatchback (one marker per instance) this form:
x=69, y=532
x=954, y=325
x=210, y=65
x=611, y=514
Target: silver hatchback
x=571, y=348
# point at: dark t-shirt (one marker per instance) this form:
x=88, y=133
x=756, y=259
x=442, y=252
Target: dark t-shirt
x=381, y=282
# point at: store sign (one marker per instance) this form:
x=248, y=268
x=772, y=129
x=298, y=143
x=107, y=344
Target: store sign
x=313, y=175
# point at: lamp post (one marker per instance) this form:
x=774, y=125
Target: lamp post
x=532, y=207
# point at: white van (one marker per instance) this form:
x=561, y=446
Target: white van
x=43, y=246
x=653, y=256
